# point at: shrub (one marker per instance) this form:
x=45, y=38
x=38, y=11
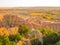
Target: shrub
x=12, y=43
x=50, y=39
x=46, y=31
x=15, y=38
x=35, y=42
x=23, y=30
x=9, y=40
x=58, y=43
x=49, y=36
x=4, y=40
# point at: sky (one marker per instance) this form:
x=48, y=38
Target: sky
x=29, y=3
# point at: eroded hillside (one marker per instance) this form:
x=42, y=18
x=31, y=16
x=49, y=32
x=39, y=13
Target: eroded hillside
x=32, y=17
x=29, y=26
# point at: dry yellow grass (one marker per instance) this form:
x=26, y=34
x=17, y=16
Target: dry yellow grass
x=37, y=14
x=1, y=17
x=9, y=31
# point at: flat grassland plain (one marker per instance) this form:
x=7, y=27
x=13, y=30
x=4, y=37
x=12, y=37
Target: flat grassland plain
x=30, y=26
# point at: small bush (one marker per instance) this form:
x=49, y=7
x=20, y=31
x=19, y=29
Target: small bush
x=15, y=38
x=4, y=40
x=49, y=36
x=50, y=39
x=58, y=43
x=35, y=42
x=23, y=30
x=46, y=31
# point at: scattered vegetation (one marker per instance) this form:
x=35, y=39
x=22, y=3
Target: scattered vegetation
x=35, y=42
x=15, y=38
x=23, y=30
x=4, y=40
x=50, y=37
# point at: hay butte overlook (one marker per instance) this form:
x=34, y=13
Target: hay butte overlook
x=36, y=17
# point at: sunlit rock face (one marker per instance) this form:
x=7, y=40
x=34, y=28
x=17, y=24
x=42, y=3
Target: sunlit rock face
x=51, y=25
